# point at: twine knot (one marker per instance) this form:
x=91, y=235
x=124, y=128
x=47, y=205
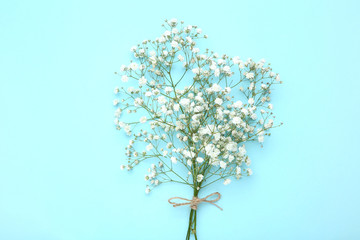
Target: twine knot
x=195, y=201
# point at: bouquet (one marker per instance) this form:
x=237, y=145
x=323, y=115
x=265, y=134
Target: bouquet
x=190, y=113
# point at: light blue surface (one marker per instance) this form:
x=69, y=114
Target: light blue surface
x=60, y=155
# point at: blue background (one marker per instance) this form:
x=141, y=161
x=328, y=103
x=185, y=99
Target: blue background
x=60, y=155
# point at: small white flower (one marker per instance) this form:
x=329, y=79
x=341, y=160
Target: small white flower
x=196, y=70
x=222, y=164
x=236, y=60
x=218, y=101
x=251, y=101
x=196, y=50
x=181, y=58
x=185, y=102
x=173, y=21
x=227, y=69
x=116, y=102
x=199, y=178
x=236, y=120
x=124, y=78
x=147, y=190
x=133, y=66
x=199, y=159
x=142, y=81
x=162, y=100
x=149, y=147
x=189, y=162
x=143, y=119
x=227, y=181
x=116, y=90
x=277, y=78
x=242, y=150
x=176, y=107
x=174, y=44
x=168, y=89
x=216, y=88
x=231, y=146
x=270, y=106
x=173, y=159
x=249, y=75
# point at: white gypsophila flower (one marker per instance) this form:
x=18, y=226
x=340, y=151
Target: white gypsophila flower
x=277, y=78
x=237, y=104
x=162, y=100
x=196, y=70
x=167, y=33
x=192, y=108
x=236, y=60
x=249, y=75
x=185, y=102
x=116, y=90
x=223, y=164
x=251, y=101
x=173, y=21
x=142, y=81
x=133, y=66
x=242, y=150
x=143, y=119
x=174, y=44
x=227, y=181
x=168, y=90
x=116, y=102
x=218, y=101
x=236, y=120
x=118, y=112
x=149, y=147
x=227, y=69
x=176, y=107
x=124, y=78
x=231, y=146
x=196, y=50
x=138, y=101
x=199, y=159
x=189, y=162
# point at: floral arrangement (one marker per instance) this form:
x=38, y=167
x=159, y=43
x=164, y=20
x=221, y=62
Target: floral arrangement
x=194, y=113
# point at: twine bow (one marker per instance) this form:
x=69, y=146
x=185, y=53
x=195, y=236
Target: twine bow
x=195, y=201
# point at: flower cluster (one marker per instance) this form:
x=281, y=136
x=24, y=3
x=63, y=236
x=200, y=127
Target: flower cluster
x=194, y=110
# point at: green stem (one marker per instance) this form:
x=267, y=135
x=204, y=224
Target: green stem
x=192, y=220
